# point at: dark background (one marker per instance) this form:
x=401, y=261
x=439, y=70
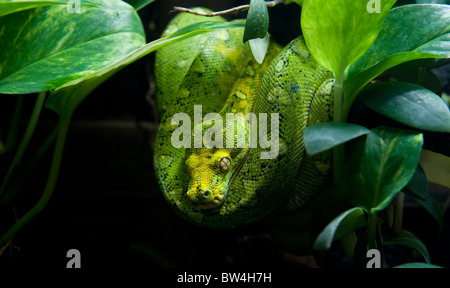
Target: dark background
x=107, y=203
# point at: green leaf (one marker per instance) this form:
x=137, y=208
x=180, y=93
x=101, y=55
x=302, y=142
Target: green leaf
x=408, y=239
x=383, y=166
x=430, y=35
x=72, y=46
x=343, y=224
x=339, y=32
x=257, y=23
x=417, y=265
x=139, y=4
x=323, y=136
x=409, y=104
x=66, y=97
x=12, y=6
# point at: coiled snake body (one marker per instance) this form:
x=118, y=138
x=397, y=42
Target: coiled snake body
x=219, y=185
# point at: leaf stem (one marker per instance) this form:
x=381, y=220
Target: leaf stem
x=421, y=77
x=10, y=192
x=51, y=182
x=338, y=151
x=26, y=138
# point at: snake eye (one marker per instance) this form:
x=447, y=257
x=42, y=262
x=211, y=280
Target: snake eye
x=224, y=164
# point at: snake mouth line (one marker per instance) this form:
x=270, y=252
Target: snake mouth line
x=215, y=202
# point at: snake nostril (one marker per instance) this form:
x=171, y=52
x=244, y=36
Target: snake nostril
x=206, y=195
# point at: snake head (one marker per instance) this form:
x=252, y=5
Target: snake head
x=210, y=172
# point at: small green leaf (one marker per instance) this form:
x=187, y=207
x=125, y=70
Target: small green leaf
x=259, y=47
x=343, y=224
x=323, y=136
x=417, y=265
x=339, y=32
x=383, y=166
x=409, y=104
x=408, y=239
x=257, y=23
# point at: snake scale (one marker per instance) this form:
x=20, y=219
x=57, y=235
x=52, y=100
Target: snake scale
x=225, y=181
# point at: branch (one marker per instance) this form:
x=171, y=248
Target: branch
x=223, y=12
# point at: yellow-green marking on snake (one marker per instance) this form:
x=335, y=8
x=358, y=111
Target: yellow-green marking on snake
x=220, y=177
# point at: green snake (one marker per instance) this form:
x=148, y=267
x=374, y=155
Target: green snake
x=223, y=180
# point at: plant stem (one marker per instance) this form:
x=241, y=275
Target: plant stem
x=371, y=229
x=349, y=241
x=390, y=215
x=10, y=192
x=398, y=215
x=51, y=182
x=421, y=76
x=14, y=127
x=26, y=138
x=338, y=151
